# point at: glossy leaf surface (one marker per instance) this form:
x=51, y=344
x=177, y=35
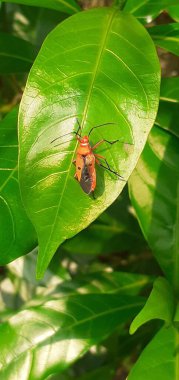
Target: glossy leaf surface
x=86, y=69
x=49, y=334
x=66, y=6
x=13, y=219
x=159, y=305
x=16, y=55
x=160, y=358
x=166, y=36
x=154, y=190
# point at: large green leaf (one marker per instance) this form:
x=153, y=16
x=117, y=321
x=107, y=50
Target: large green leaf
x=16, y=55
x=68, y=6
x=160, y=359
x=48, y=335
x=17, y=235
x=154, y=190
x=91, y=67
x=159, y=305
x=166, y=36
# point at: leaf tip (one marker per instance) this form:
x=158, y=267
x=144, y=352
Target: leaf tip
x=132, y=328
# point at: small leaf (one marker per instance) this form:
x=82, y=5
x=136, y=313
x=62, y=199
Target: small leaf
x=16, y=55
x=173, y=11
x=166, y=36
x=147, y=9
x=95, y=76
x=168, y=117
x=169, y=89
x=13, y=219
x=154, y=191
x=66, y=6
x=160, y=305
x=47, y=337
x=160, y=358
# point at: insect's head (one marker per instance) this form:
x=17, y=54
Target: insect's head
x=85, y=140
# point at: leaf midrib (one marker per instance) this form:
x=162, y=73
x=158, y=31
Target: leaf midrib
x=96, y=68
x=67, y=5
x=8, y=178
x=20, y=58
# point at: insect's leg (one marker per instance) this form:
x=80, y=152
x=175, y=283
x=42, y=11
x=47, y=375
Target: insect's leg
x=108, y=167
x=112, y=171
x=74, y=162
x=102, y=141
x=102, y=158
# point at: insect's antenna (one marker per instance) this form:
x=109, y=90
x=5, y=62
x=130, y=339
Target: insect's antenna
x=97, y=126
x=79, y=128
x=64, y=142
x=67, y=134
x=57, y=138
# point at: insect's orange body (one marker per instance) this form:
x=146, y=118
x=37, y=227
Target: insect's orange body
x=85, y=165
x=86, y=159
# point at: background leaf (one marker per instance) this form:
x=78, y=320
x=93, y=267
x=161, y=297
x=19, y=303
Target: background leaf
x=169, y=90
x=59, y=330
x=96, y=81
x=148, y=9
x=173, y=11
x=13, y=219
x=154, y=193
x=29, y=23
x=16, y=55
x=159, y=360
x=68, y=6
x=116, y=230
x=159, y=305
x=166, y=36
x=168, y=117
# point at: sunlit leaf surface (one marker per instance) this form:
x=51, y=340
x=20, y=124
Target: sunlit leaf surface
x=52, y=332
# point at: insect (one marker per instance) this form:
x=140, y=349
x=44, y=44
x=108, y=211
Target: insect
x=86, y=159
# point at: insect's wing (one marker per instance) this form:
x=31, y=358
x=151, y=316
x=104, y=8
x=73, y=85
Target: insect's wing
x=88, y=174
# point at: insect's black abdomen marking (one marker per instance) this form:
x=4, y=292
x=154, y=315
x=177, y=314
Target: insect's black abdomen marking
x=86, y=180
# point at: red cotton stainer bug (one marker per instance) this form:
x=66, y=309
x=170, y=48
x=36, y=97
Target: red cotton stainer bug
x=86, y=159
